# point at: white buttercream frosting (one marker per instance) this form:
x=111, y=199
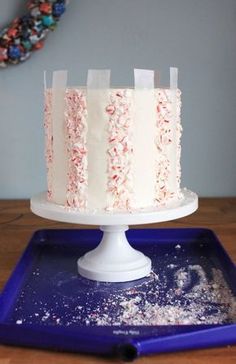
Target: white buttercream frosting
x=144, y=131
x=97, y=143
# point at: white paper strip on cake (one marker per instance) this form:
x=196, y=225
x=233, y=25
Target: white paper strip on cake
x=143, y=79
x=173, y=77
x=144, y=149
x=171, y=149
x=60, y=160
x=98, y=79
x=157, y=78
x=98, y=84
x=45, y=80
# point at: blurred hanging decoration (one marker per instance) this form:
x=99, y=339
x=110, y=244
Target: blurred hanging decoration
x=27, y=33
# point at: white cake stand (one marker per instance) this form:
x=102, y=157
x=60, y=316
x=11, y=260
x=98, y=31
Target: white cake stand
x=114, y=260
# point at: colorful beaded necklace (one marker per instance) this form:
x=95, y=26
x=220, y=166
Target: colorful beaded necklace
x=27, y=33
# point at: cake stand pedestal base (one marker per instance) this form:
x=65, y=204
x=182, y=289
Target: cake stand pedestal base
x=114, y=260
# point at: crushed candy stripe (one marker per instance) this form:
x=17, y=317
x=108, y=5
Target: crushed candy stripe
x=48, y=139
x=76, y=132
x=178, y=140
x=164, y=138
x=120, y=151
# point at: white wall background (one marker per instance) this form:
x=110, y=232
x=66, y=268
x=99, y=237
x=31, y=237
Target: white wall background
x=198, y=36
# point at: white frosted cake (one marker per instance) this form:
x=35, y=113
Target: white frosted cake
x=112, y=149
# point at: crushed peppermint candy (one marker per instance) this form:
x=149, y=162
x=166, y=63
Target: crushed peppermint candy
x=186, y=295
x=208, y=302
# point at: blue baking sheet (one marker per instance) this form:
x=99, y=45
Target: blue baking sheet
x=188, y=300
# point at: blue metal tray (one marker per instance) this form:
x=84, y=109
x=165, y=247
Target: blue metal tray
x=188, y=301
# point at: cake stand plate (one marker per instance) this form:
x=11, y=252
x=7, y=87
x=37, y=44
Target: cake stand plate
x=114, y=260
